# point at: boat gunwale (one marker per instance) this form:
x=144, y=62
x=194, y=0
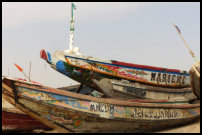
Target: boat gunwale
x=156, y=69
x=119, y=76
x=98, y=116
x=156, y=88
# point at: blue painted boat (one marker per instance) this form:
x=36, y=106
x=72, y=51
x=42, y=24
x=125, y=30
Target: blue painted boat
x=116, y=79
x=92, y=72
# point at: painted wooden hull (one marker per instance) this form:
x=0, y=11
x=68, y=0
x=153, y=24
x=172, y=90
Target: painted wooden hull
x=71, y=112
x=195, y=78
x=84, y=90
x=12, y=121
x=120, y=88
x=75, y=67
x=15, y=120
x=89, y=77
x=9, y=108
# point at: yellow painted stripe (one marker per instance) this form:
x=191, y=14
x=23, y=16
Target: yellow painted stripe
x=91, y=69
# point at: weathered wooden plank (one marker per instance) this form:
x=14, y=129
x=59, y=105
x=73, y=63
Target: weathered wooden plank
x=120, y=88
x=5, y=87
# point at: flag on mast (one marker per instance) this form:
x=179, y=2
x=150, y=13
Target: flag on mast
x=19, y=68
x=177, y=28
x=73, y=6
x=72, y=19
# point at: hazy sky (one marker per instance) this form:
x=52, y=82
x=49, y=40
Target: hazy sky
x=136, y=32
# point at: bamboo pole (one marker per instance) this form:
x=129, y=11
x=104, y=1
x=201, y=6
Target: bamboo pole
x=21, y=70
x=29, y=71
x=190, y=51
x=26, y=76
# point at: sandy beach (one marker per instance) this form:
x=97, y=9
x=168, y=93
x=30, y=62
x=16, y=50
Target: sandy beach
x=193, y=127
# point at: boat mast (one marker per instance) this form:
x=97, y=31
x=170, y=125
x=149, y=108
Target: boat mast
x=190, y=51
x=74, y=50
x=72, y=26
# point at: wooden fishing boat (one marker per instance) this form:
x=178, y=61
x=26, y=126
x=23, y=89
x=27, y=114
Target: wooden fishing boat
x=123, y=88
x=88, y=70
x=15, y=120
x=158, y=82
x=195, y=78
x=66, y=111
x=92, y=67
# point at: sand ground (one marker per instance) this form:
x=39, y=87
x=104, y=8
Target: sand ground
x=190, y=128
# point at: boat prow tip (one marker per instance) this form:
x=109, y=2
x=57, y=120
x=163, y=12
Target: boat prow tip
x=43, y=54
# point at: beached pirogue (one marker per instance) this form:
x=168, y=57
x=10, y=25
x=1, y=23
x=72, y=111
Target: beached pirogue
x=66, y=111
x=119, y=79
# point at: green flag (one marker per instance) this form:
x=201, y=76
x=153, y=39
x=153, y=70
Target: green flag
x=73, y=6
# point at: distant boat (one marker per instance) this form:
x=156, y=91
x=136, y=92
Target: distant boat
x=88, y=70
x=66, y=111
x=195, y=78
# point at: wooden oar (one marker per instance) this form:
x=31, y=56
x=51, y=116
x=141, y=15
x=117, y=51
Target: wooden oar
x=190, y=51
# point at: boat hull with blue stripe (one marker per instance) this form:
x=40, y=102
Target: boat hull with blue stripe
x=85, y=69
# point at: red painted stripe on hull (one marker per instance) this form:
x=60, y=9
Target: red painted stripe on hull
x=14, y=121
x=144, y=66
